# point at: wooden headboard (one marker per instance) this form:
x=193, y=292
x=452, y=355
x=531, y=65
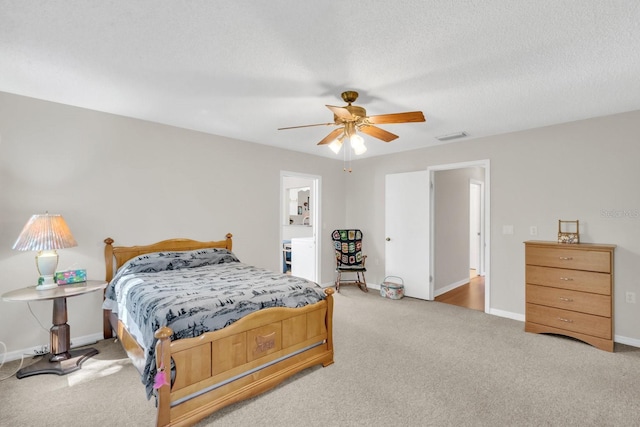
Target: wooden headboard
x=122, y=254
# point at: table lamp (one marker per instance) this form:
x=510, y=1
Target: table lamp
x=45, y=233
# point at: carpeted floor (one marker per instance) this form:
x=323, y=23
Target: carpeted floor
x=397, y=363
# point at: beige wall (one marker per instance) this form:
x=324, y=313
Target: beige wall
x=580, y=170
x=137, y=182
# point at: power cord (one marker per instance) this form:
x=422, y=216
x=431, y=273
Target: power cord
x=4, y=358
x=34, y=316
x=37, y=353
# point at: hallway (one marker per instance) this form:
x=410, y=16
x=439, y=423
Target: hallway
x=470, y=295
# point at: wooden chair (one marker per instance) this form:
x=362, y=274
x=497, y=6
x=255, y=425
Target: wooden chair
x=349, y=258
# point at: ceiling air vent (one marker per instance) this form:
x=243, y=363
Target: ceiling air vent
x=451, y=136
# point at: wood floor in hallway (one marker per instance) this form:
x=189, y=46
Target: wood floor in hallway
x=470, y=295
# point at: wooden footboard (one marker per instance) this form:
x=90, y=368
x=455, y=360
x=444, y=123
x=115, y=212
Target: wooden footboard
x=246, y=358
x=219, y=368
x=242, y=360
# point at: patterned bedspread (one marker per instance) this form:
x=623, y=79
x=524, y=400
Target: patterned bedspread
x=195, y=292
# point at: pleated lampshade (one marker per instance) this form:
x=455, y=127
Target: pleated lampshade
x=43, y=233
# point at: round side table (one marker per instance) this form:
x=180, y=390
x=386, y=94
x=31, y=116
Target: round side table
x=61, y=359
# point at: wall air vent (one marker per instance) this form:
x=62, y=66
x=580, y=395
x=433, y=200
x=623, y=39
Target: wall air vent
x=451, y=136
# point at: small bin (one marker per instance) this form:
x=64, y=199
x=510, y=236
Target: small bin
x=392, y=287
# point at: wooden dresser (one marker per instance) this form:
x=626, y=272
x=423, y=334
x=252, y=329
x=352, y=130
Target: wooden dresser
x=569, y=291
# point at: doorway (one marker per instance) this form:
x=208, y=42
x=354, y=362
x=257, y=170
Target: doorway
x=460, y=233
x=298, y=250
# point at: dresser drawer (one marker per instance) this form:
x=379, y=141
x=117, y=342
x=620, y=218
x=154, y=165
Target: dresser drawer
x=599, y=305
x=577, y=280
x=577, y=259
x=588, y=324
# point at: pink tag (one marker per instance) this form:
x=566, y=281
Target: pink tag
x=160, y=379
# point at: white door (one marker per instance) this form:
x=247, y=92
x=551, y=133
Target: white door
x=303, y=258
x=407, y=197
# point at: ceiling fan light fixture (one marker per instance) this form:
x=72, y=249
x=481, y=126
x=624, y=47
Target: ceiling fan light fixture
x=352, y=119
x=336, y=144
x=357, y=143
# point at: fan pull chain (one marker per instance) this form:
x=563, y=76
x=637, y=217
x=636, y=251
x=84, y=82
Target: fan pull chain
x=344, y=157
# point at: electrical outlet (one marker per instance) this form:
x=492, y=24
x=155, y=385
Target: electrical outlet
x=41, y=351
x=631, y=297
x=533, y=230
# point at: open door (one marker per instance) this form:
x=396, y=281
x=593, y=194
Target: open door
x=475, y=226
x=299, y=219
x=407, y=201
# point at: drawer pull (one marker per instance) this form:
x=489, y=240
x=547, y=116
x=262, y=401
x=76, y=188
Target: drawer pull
x=566, y=299
x=566, y=258
x=567, y=279
x=562, y=319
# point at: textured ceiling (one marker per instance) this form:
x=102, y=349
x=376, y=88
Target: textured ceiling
x=242, y=69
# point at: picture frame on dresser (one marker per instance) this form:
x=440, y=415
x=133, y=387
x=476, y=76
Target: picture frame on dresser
x=568, y=231
x=569, y=291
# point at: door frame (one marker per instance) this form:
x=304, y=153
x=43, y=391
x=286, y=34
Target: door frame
x=486, y=212
x=316, y=186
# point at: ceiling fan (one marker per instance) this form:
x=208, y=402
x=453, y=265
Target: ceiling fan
x=352, y=119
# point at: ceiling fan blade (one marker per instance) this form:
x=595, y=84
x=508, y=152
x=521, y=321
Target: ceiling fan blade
x=341, y=112
x=333, y=135
x=413, y=116
x=377, y=132
x=308, y=126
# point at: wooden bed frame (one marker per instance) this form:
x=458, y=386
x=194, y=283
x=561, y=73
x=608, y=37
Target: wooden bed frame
x=219, y=368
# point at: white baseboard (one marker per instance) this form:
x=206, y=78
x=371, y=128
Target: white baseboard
x=450, y=287
x=327, y=285
x=332, y=284
x=32, y=351
x=626, y=340
x=507, y=314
